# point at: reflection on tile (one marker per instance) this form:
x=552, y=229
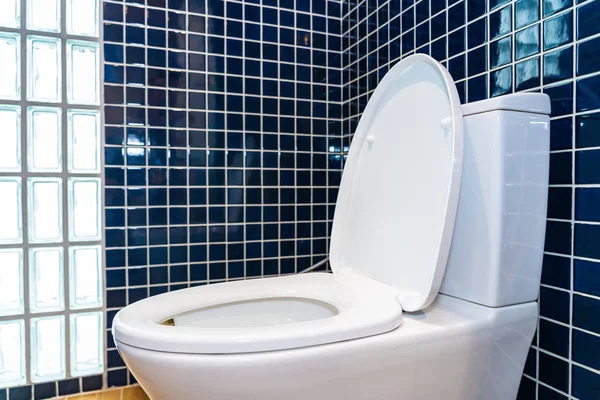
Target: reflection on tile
x=501, y=82
x=500, y=22
x=527, y=42
x=558, y=30
x=496, y=3
x=587, y=128
x=526, y=12
x=527, y=74
x=588, y=57
x=554, y=6
x=558, y=65
x=501, y=52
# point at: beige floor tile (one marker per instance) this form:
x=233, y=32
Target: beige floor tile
x=134, y=393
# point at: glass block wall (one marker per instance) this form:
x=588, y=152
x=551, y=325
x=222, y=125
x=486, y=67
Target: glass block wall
x=497, y=47
x=51, y=290
x=222, y=143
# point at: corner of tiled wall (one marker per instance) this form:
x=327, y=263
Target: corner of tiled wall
x=498, y=47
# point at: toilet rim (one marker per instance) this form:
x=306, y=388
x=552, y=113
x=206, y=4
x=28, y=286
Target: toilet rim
x=365, y=308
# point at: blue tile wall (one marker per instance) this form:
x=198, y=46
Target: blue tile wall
x=492, y=48
x=223, y=124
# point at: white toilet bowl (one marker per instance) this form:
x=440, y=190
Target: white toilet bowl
x=376, y=328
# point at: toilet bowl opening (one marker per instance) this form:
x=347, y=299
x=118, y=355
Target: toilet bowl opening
x=255, y=312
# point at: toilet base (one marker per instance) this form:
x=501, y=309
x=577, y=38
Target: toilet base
x=454, y=350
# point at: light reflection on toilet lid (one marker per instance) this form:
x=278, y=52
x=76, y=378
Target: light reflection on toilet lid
x=398, y=197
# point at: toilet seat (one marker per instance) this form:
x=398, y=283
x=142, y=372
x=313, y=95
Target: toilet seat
x=390, y=238
x=359, y=307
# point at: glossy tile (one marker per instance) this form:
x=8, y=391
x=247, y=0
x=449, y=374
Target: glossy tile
x=586, y=129
x=500, y=22
x=501, y=82
x=585, y=383
x=526, y=12
x=527, y=74
x=585, y=310
x=554, y=372
x=588, y=57
x=554, y=338
x=501, y=52
x=527, y=42
x=556, y=272
x=558, y=30
x=587, y=17
x=558, y=65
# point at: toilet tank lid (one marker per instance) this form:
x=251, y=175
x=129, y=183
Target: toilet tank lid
x=398, y=197
x=537, y=103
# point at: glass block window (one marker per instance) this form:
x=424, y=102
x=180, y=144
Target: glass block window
x=51, y=303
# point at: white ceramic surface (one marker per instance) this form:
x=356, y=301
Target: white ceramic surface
x=398, y=196
x=501, y=220
x=343, y=336
x=364, y=307
x=454, y=350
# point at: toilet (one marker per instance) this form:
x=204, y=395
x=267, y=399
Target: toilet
x=436, y=254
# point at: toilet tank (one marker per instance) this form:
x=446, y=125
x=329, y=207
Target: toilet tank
x=498, y=242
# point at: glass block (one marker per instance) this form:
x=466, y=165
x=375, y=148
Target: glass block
x=43, y=15
x=46, y=283
x=82, y=17
x=10, y=140
x=85, y=282
x=83, y=72
x=10, y=68
x=11, y=283
x=87, y=343
x=10, y=13
x=11, y=230
x=47, y=348
x=44, y=144
x=84, y=141
x=43, y=69
x=12, y=353
x=85, y=222
x=44, y=210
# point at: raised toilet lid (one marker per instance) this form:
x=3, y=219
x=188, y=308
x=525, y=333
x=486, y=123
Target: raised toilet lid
x=398, y=197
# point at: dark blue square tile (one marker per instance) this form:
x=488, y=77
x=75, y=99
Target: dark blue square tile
x=587, y=18
x=585, y=383
x=585, y=312
x=554, y=372
x=558, y=30
x=527, y=42
x=556, y=271
x=555, y=304
x=500, y=22
x=587, y=278
x=586, y=244
x=20, y=393
x=554, y=338
x=526, y=12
